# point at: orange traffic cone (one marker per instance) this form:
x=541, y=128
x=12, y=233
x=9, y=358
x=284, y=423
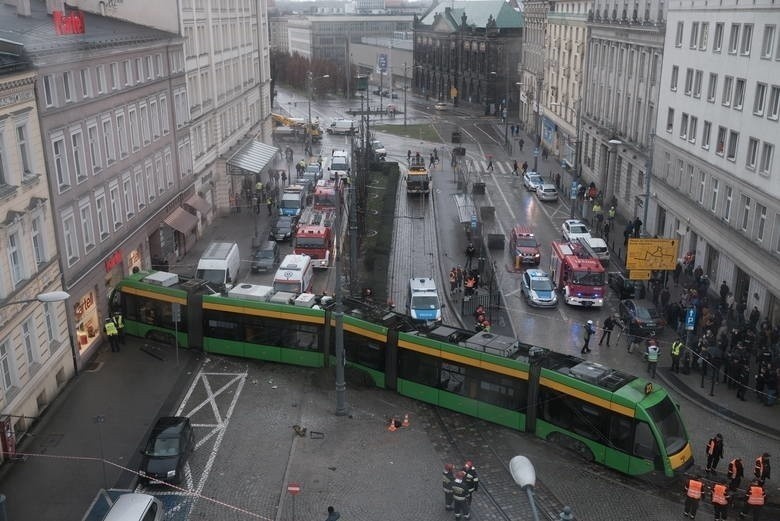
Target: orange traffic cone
x=391, y=427
x=405, y=423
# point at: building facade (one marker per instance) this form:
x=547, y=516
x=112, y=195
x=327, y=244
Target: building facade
x=715, y=180
x=565, y=63
x=35, y=348
x=625, y=53
x=470, y=51
x=532, y=80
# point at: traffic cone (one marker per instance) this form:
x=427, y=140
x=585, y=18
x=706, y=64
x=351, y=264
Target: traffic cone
x=391, y=427
x=405, y=423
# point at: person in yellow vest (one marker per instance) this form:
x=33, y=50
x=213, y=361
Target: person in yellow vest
x=677, y=347
x=693, y=491
x=720, y=501
x=754, y=500
x=113, y=334
x=119, y=320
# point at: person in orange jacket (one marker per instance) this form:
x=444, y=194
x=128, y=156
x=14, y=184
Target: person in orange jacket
x=754, y=501
x=720, y=501
x=694, y=488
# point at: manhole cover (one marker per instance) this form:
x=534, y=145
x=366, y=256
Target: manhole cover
x=93, y=367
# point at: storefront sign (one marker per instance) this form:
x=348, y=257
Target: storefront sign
x=134, y=260
x=113, y=260
x=84, y=305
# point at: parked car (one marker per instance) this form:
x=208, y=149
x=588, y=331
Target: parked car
x=547, y=192
x=532, y=181
x=167, y=449
x=625, y=288
x=283, y=228
x=574, y=229
x=380, y=152
x=266, y=257
x=643, y=320
x=538, y=289
x=440, y=106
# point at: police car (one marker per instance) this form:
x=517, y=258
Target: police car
x=538, y=289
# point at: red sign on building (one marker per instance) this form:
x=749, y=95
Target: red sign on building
x=113, y=260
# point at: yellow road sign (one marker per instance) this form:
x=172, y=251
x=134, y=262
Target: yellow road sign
x=652, y=254
x=639, y=274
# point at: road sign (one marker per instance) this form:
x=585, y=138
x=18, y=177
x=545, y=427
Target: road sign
x=652, y=254
x=381, y=62
x=293, y=488
x=473, y=222
x=690, y=319
x=573, y=190
x=536, y=152
x=639, y=274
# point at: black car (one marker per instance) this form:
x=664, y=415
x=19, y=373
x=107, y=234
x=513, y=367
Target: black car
x=626, y=288
x=282, y=229
x=640, y=319
x=266, y=257
x=166, y=451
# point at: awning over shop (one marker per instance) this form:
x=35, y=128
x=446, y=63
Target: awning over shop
x=251, y=158
x=198, y=203
x=181, y=220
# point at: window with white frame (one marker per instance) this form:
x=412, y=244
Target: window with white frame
x=703, y=34
x=148, y=67
x=67, y=85
x=694, y=39
x=139, y=71
x=773, y=107
x=93, y=139
x=135, y=139
x=30, y=342
x=87, y=227
x=727, y=203
x=164, y=115
x=731, y=152
x=670, y=120
x=102, y=214
x=692, y=128
x=168, y=167
x=145, y=132
x=745, y=212
x=7, y=367
x=768, y=41
x=702, y=185
x=158, y=173
x=714, y=198
x=684, y=126
x=752, y=154
x=675, y=76
x=705, y=135
x=108, y=139
x=3, y=166
x=15, y=258
x=150, y=188
x=721, y=143
x=160, y=70
x=127, y=193
x=140, y=191
x=60, y=162
x=717, y=37
x=767, y=155
x=101, y=79
x=697, y=80
x=49, y=90
x=728, y=82
x=747, y=40
x=86, y=83
x=114, y=71
x=121, y=133
x=77, y=151
x=69, y=237
x=689, y=170
x=155, y=116
x=734, y=39
x=760, y=225
x=36, y=236
x=22, y=144
x=739, y=93
x=49, y=320
x=116, y=204
x=128, y=72
x=759, y=99
x=688, y=81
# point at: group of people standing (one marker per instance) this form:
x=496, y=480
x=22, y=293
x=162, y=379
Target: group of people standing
x=463, y=279
x=725, y=492
x=459, y=487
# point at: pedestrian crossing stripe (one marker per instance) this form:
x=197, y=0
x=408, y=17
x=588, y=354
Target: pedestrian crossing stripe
x=499, y=167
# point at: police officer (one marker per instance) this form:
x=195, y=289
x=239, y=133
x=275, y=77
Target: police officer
x=754, y=500
x=652, y=353
x=761, y=470
x=460, y=496
x=119, y=320
x=720, y=501
x=447, y=480
x=735, y=474
x=677, y=347
x=693, y=491
x=472, y=480
x=714, y=453
x=113, y=334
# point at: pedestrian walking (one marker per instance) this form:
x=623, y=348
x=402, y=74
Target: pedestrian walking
x=109, y=328
x=332, y=514
x=589, y=330
x=432, y=163
x=762, y=470
x=735, y=473
x=490, y=163
x=470, y=252
x=284, y=178
x=460, y=496
x=743, y=378
x=524, y=167
x=693, y=491
x=652, y=354
x=754, y=500
x=607, y=327
x=453, y=281
x=611, y=214
x=447, y=480
x=515, y=168
x=522, y=144
x=714, y=453
x=677, y=347
x=720, y=501
x=270, y=203
x=408, y=156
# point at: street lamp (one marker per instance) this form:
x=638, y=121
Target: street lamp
x=524, y=474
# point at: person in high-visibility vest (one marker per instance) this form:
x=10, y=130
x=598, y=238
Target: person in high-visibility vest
x=113, y=334
x=693, y=492
x=754, y=500
x=762, y=470
x=119, y=320
x=677, y=347
x=652, y=353
x=735, y=474
x=720, y=501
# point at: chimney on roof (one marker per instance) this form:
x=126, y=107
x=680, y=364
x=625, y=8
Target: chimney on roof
x=22, y=7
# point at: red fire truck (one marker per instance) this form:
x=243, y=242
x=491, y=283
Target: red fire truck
x=326, y=195
x=314, y=236
x=580, y=277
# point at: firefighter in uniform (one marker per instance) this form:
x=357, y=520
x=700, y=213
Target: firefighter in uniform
x=460, y=496
x=447, y=479
x=761, y=470
x=119, y=320
x=754, y=501
x=720, y=501
x=677, y=346
x=472, y=480
x=113, y=334
x=735, y=474
x=693, y=491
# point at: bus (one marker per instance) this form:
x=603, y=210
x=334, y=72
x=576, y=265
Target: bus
x=619, y=420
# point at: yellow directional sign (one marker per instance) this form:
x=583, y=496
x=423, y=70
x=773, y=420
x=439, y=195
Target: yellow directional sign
x=652, y=254
x=639, y=275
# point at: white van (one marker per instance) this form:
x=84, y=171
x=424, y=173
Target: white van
x=135, y=507
x=339, y=165
x=342, y=126
x=220, y=264
x=294, y=274
x=598, y=248
x=424, y=303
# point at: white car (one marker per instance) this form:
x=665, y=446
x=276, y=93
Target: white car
x=547, y=192
x=440, y=106
x=574, y=229
x=532, y=181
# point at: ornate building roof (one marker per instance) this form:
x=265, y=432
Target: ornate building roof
x=478, y=14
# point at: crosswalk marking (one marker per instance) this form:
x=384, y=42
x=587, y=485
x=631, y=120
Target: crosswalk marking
x=481, y=166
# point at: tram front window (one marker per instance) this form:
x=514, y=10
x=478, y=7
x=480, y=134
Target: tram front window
x=667, y=419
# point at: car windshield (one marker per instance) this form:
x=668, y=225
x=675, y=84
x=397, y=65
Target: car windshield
x=587, y=278
x=425, y=302
x=670, y=426
x=310, y=242
x=217, y=276
x=534, y=178
x=577, y=229
x=163, y=447
x=338, y=166
x=642, y=313
x=313, y=169
x=265, y=254
x=290, y=203
x=541, y=285
x=526, y=242
x=378, y=145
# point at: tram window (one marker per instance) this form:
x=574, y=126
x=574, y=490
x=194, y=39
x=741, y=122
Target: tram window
x=418, y=368
x=152, y=312
x=364, y=351
x=501, y=391
x=621, y=433
x=452, y=378
x=667, y=419
x=644, y=442
x=575, y=415
x=222, y=329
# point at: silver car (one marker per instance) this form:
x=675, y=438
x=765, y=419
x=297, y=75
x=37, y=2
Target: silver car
x=547, y=192
x=532, y=181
